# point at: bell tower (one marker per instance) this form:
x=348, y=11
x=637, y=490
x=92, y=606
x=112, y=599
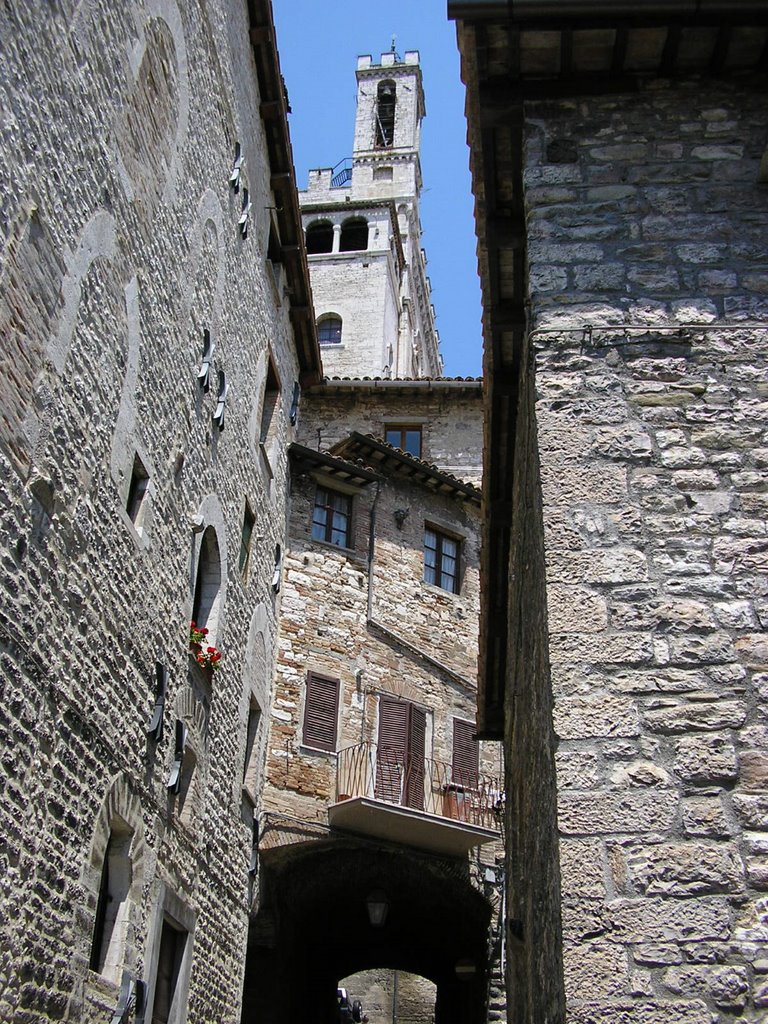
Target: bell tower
x=363, y=231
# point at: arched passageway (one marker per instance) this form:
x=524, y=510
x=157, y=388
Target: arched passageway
x=312, y=929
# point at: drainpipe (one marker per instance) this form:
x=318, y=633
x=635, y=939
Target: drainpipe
x=372, y=549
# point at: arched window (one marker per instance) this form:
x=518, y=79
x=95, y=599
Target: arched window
x=112, y=910
x=205, y=606
x=354, y=235
x=329, y=330
x=385, y=114
x=320, y=237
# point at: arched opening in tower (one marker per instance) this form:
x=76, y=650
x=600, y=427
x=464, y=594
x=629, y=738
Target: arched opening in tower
x=385, y=114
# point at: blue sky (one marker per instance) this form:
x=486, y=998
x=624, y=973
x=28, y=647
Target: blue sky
x=319, y=44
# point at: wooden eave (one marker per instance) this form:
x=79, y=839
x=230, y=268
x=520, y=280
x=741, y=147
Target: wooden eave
x=395, y=462
x=274, y=112
x=346, y=471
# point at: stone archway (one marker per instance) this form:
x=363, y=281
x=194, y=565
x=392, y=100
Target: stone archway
x=312, y=928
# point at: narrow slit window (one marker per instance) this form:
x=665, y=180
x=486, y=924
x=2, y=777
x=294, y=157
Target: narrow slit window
x=136, y=505
x=207, y=597
x=246, y=536
x=250, y=762
x=269, y=405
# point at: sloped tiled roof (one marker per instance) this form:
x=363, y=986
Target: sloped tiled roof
x=377, y=454
x=349, y=471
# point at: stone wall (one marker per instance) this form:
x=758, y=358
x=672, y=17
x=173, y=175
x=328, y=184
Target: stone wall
x=120, y=246
x=449, y=412
x=325, y=628
x=649, y=286
x=362, y=289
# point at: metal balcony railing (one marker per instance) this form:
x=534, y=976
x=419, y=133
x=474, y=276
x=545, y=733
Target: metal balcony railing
x=423, y=784
x=341, y=174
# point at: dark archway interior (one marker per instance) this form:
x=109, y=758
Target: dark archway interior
x=354, y=235
x=320, y=237
x=312, y=929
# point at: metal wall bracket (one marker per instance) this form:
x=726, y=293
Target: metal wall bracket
x=237, y=170
x=174, y=777
x=218, y=414
x=204, y=373
x=243, y=221
x=294, y=414
x=155, y=727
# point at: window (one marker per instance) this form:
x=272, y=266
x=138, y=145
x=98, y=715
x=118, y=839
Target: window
x=109, y=930
x=320, y=237
x=250, y=762
x=169, y=960
x=407, y=438
x=188, y=796
x=329, y=330
x=321, y=712
x=269, y=404
x=249, y=521
x=354, y=235
x=386, y=97
x=205, y=604
x=332, y=517
x=400, y=753
x=441, y=560
x=136, y=505
x=465, y=763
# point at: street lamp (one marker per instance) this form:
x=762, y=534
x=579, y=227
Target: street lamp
x=378, y=907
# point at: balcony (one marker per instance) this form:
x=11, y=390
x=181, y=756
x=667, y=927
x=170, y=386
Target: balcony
x=419, y=802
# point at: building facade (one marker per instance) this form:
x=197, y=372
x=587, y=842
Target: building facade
x=619, y=163
x=155, y=337
x=377, y=793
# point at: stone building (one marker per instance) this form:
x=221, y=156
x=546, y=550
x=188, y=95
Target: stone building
x=363, y=232
x=621, y=177
x=156, y=322
x=378, y=801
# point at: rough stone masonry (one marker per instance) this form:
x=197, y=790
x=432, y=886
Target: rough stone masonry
x=653, y=455
x=622, y=207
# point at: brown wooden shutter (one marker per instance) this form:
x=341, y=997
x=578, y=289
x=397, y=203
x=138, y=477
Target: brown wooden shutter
x=321, y=712
x=466, y=755
x=414, y=779
x=400, y=754
x=391, y=751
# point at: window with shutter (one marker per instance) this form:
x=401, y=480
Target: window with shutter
x=400, y=753
x=466, y=755
x=321, y=712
